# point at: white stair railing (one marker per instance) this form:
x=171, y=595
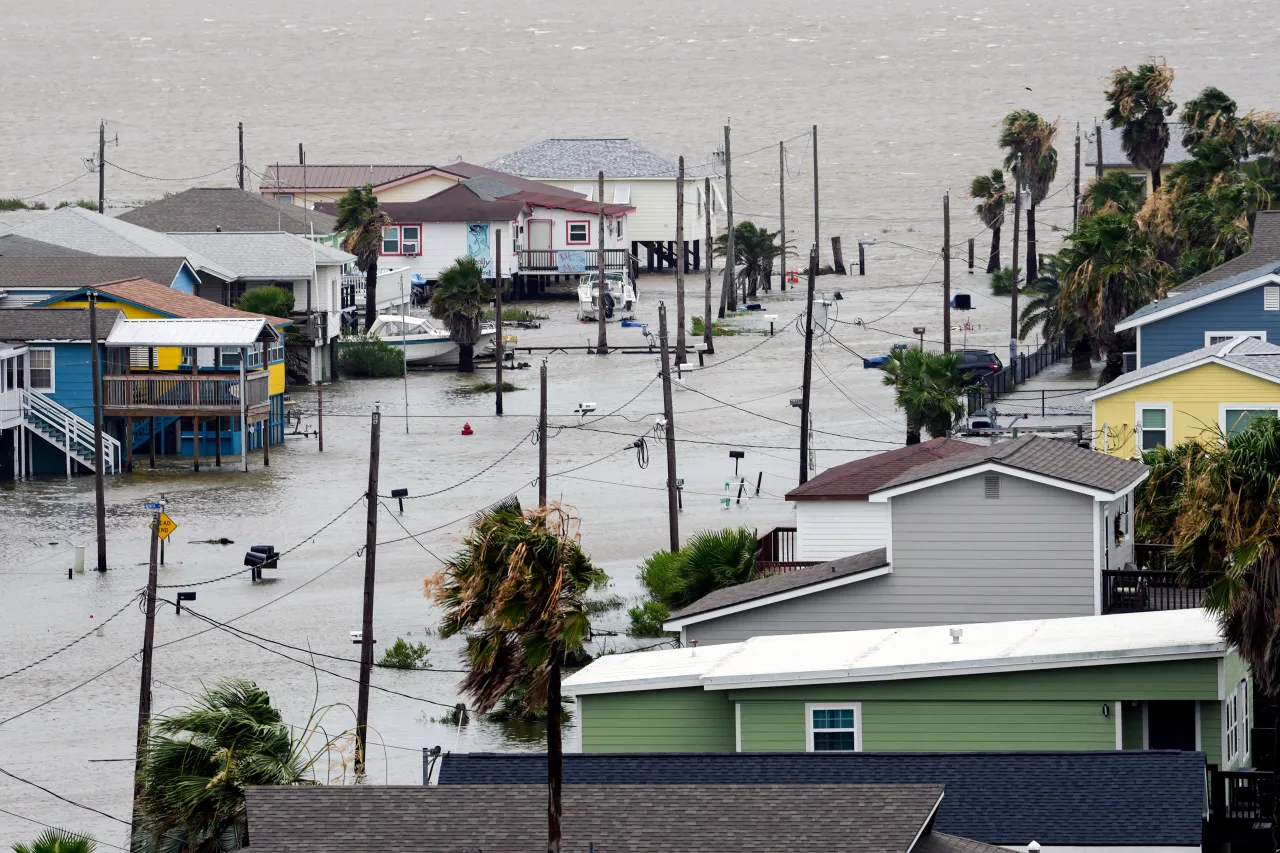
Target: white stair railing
x=72, y=433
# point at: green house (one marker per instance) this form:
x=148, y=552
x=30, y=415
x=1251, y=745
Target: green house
x=1162, y=680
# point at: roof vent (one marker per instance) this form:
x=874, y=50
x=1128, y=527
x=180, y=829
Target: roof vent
x=1271, y=298
x=956, y=634
x=991, y=487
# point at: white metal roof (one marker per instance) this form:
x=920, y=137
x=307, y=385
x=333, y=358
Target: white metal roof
x=902, y=653
x=189, y=333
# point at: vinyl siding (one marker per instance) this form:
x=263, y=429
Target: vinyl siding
x=72, y=377
x=1211, y=732
x=1118, y=552
x=655, y=204
x=830, y=529
x=1195, y=396
x=1184, y=332
x=442, y=244
x=681, y=720
x=186, y=281
x=417, y=189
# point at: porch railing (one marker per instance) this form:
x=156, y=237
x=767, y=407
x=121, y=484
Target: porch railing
x=1240, y=795
x=174, y=393
x=777, y=552
x=1153, y=557
x=1022, y=368
x=1142, y=591
x=544, y=260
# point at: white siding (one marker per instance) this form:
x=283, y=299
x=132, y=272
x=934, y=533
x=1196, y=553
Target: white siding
x=655, y=204
x=560, y=220
x=826, y=530
x=445, y=242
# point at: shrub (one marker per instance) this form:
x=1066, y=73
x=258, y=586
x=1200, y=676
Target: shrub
x=647, y=618
x=514, y=707
x=405, y=655
x=270, y=300
x=370, y=356
x=80, y=202
x=1002, y=282
x=709, y=560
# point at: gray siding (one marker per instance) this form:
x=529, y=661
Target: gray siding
x=957, y=557
x=1116, y=554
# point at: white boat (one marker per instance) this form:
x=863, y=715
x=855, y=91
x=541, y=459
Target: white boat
x=424, y=343
x=620, y=297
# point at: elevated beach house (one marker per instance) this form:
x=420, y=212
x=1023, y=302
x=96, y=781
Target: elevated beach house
x=1114, y=158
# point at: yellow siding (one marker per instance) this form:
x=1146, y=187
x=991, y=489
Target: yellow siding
x=655, y=204
x=418, y=189
x=1195, y=396
x=167, y=358
x=275, y=381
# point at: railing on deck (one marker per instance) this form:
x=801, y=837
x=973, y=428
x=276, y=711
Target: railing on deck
x=178, y=393
x=544, y=260
x=1143, y=592
x=1240, y=795
x=1021, y=369
x=777, y=553
x=1153, y=557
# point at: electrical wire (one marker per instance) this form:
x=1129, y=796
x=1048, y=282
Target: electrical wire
x=89, y=838
x=59, y=186
x=155, y=178
x=68, y=800
x=784, y=423
x=466, y=480
x=86, y=634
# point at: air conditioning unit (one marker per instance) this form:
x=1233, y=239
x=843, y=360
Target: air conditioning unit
x=411, y=250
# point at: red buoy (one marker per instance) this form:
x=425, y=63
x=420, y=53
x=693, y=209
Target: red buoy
x=466, y=429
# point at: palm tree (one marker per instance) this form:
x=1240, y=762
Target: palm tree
x=928, y=389
x=709, y=560
x=518, y=589
x=1002, y=282
x=1114, y=192
x=1027, y=136
x=992, y=195
x=1043, y=310
x=1210, y=114
x=58, y=841
x=198, y=761
x=270, y=300
x=362, y=219
x=754, y=249
x=459, y=299
x=1138, y=102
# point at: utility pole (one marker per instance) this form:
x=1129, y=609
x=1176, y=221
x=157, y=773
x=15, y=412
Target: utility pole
x=808, y=366
x=1097, y=138
x=497, y=315
x=782, y=213
x=680, y=318
x=542, y=436
x=102, y=166
x=1017, y=225
x=602, y=340
x=240, y=169
x=148, y=647
x=1075, y=200
x=726, y=290
x=817, y=245
x=707, y=337
x=99, y=487
x=366, y=623
x=673, y=496
x=946, y=274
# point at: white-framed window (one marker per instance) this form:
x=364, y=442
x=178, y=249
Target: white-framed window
x=411, y=240
x=833, y=726
x=1236, y=720
x=578, y=232
x=589, y=190
x=41, y=365
x=229, y=358
x=1153, y=424
x=284, y=198
x=1271, y=298
x=391, y=240
x=622, y=193
x=1234, y=418
x=276, y=353
x=1212, y=339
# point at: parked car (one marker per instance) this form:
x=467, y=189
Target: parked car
x=977, y=363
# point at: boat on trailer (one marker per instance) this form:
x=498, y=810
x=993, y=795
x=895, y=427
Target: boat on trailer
x=619, y=301
x=424, y=343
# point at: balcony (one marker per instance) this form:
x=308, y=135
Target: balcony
x=544, y=260
x=152, y=394
x=1240, y=807
x=777, y=553
x=1152, y=584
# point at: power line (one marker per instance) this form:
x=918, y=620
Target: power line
x=57, y=652
x=58, y=187
x=155, y=178
x=58, y=796
x=88, y=680
x=466, y=480
x=60, y=829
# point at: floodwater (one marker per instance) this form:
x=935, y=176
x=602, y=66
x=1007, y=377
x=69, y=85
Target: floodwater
x=907, y=96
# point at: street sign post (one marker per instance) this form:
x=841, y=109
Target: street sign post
x=167, y=526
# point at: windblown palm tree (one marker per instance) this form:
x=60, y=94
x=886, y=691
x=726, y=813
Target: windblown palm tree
x=1138, y=102
x=708, y=560
x=1025, y=134
x=928, y=387
x=1043, y=310
x=992, y=196
x=754, y=249
x=362, y=219
x=517, y=589
x=1114, y=192
x=58, y=841
x=1210, y=114
x=1002, y=282
x=459, y=299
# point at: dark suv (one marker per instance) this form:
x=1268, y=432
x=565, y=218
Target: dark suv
x=976, y=363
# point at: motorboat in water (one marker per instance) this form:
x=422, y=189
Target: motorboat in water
x=619, y=299
x=424, y=343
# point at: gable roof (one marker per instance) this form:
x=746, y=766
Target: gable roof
x=768, y=590
x=82, y=270
x=766, y=818
x=1113, y=148
x=567, y=159
x=516, y=182
x=1061, y=462
x=456, y=204
x=17, y=246
x=166, y=300
x=578, y=205
x=272, y=255
x=54, y=324
x=288, y=177
x=1248, y=354
x=897, y=653
x=1068, y=799
x=227, y=209
x=855, y=480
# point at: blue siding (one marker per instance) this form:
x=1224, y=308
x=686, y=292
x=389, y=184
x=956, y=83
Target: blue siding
x=72, y=378
x=186, y=280
x=1184, y=332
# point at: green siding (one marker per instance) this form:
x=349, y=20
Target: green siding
x=683, y=720
x=1211, y=732
x=773, y=727
x=1131, y=724
x=1236, y=669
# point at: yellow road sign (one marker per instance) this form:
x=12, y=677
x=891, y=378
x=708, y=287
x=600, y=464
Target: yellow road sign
x=167, y=526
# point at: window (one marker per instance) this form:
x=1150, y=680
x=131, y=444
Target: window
x=1234, y=418
x=276, y=354
x=578, y=233
x=391, y=240
x=229, y=358
x=991, y=487
x=411, y=239
x=586, y=189
x=1153, y=424
x=1237, y=722
x=41, y=369
x=1271, y=298
x=622, y=194
x=834, y=728
x=1122, y=514
x=284, y=198
x=1213, y=339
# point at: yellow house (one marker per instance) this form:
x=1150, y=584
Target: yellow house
x=1115, y=160
x=1202, y=396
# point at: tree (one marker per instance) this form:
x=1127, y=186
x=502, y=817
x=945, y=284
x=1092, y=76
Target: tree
x=1043, y=310
x=199, y=760
x=1024, y=134
x=459, y=300
x=1138, y=102
x=1114, y=192
x=709, y=560
x=992, y=196
x=270, y=300
x=517, y=589
x=754, y=249
x=1210, y=114
x=58, y=841
x=362, y=219
x=928, y=389
x=1002, y=282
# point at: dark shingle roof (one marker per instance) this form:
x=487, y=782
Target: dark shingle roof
x=1035, y=454
x=84, y=270
x=456, y=204
x=1113, y=149
x=53, y=324
x=289, y=177
x=690, y=818
x=1249, y=353
x=568, y=159
x=17, y=246
x=222, y=209
x=471, y=170
x=855, y=480
x=940, y=842
x=785, y=582
x=1061, y=798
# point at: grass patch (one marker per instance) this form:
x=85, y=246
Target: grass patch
x=80, y=202
x=513, y=314
x=717, y=330
x=11, y=204
x=485, y=388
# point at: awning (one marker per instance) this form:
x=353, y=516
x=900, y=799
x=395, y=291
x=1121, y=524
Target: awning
x=190, y=333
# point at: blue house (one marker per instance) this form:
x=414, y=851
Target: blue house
x=1238, y=298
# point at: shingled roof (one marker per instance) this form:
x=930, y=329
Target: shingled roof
x=1068, y=799
x=227, y=209
x=174, y=303
x=1113, y=148
x=767, y=818
x=853, y=481
x=569, y=159
x=1250, y=354
x=54, y=324
x=264, y=256
x=81, y=270
x=17, y=246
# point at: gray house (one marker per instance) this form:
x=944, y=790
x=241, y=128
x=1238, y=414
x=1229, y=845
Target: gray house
x=1026, y=529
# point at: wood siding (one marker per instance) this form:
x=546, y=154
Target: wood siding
x=683, y=720
x=1183, y=333
x=655, y=204
x=826, y=530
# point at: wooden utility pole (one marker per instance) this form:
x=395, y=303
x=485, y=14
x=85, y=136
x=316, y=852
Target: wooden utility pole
x=497, y=316
x=1097, y=138
x=817, y=244
x=782, y=214
x=1017, y=225
x=1075, y=199
x=673, y=496
x=320, y=415
x=808, y=366
x=727, y=292
x=102, y=166
x=602, y=340
x=707, y=337
x=542, y=435
x=148, y=647
x=240, y=168
x=680, y=318
x=366, y=622
x=946, y=273
x=99, y=487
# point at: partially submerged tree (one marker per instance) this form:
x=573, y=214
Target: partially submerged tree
x=928, y=387
x=1138, y=103
x=992, y=196
x=708, y=560
x=754, y=249
x=1031, y=156
x=459, y=300
x=362, y=219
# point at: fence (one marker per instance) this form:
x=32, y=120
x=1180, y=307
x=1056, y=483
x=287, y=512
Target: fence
x=544, y=260
x=777, y=553
x=184, y=393
x=1144, y=592
x=1015, y=373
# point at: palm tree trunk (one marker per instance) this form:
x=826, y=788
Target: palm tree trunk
x=1032, y=257
x=466, y=358
x=370, y=296
x=1155, y=188
x=993, y=260
x=555, y=757
x=913, y=433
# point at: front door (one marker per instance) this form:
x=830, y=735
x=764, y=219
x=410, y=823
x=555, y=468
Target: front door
x=540, y=234
x=1171, y=725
